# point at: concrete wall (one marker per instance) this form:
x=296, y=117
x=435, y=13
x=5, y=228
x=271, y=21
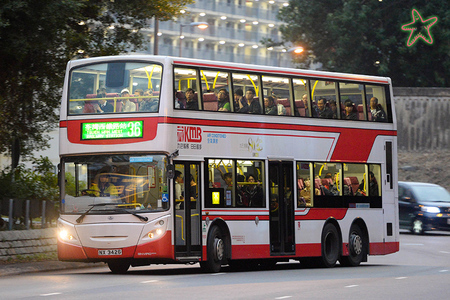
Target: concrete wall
x=27, y=242
x=423, y=118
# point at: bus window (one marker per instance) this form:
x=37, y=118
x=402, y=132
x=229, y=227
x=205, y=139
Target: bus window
x=353, y=178
x=185, y=80
x=351, y=93
x=376, y=103
x=98, y=88
x=321, y=93
x=328, y=179
x=230, y=186
x=250, y=86
x=375, y=177
x=213, y=83
x=305, y=190
x=279, y=89
x=302, y=97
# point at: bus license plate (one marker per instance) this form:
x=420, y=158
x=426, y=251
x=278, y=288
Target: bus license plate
x=110, y=252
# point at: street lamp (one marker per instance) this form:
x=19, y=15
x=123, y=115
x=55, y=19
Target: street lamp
x=200, y=25
x=295, y=50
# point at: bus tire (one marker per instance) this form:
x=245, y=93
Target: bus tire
x=215, y=251
x=118, y=267
x=330, y=246
x=356, y=246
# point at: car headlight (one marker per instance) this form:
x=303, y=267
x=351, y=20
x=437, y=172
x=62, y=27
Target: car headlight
x=430, y=209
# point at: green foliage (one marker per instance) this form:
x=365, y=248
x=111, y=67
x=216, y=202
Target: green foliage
x=38, y=38
x=38, y=184
x=353, y=35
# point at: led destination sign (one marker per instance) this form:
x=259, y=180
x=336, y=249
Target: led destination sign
x=111, y=130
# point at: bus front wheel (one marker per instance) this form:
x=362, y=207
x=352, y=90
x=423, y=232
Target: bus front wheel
x=119, y=267
x=215, y=251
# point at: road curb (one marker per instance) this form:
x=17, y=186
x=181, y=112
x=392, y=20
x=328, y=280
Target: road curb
x=42, y=266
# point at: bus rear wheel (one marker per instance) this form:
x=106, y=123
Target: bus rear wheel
x=330, y=246
x=119, y=267
x=215, y=251
x=356, y=246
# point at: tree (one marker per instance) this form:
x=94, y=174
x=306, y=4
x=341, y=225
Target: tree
x=365, y=37
x=38, y=38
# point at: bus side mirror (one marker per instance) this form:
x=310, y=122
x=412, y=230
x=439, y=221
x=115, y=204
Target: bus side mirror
x=171, y=171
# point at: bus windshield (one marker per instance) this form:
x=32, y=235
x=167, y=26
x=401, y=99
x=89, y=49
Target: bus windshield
x=135, y=182
x=115, y=87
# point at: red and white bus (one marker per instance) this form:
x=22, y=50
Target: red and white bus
x=163, y=161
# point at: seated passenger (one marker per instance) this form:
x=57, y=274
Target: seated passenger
x=270, y=107
x=333, y=109
x=105, y=188
x=191, y=100
x=378, y=114
x=240, y=103
x=373, y=186
x=349, y=113
x=334, y=188
x=103, y=106
x=149, y=104
x=139, y=93
x=178, y=102
x=223, y=100
x=253, y=104
x=281, y=110
x=323, y=110
x=127, y=105
x=305, y=194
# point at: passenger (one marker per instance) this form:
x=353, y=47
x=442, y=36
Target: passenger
x=191, y=100
x=306, y=193
x=240, y=103
x=373, y=186
x=334, y=188
x=323, y=110
x=101, y=93
x=178, y=102
x=333, y=108
x=149, y=104
x=103, y=106
x=223, y=100
x=192, y=191
x=241, y=197
x=179, y=198
x=254, y=192
x=228, y=178
x=139, y=93
x=349, y=113
x=378, y=114
x=253, y=104
x=270, y=107
x=281, y=110
x=127, y=105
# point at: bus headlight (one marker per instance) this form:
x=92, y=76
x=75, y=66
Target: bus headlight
x=66, y=233
x=155, y=233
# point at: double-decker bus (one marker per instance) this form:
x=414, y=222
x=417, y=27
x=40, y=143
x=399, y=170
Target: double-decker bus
x=173, y=160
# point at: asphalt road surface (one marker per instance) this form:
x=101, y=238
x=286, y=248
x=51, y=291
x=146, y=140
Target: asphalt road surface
x=421, y=270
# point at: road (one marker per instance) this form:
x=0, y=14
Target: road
x=421, y=270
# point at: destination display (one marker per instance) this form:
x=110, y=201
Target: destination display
x=111, y=130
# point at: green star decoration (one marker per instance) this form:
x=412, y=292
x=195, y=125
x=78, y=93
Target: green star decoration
x=419, y=28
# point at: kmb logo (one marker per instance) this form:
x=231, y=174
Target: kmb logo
x=188, y=134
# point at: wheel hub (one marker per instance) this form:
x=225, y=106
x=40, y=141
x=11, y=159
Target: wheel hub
x=219, y=246
x=356, y=244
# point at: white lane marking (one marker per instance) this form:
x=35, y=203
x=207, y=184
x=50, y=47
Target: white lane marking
x=443, y=271
x=399, y=278
x=352, y=286
x=149, y=281
x=412, y=244
x=446, y=252
x=49, y=294
x=216, y=274
x=284, y=297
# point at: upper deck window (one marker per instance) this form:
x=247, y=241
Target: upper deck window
x=115, y=87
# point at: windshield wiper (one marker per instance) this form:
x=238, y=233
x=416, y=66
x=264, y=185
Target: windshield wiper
x=134, y=214
x=80, y=218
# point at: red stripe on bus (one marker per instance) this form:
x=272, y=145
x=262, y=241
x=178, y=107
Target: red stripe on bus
x=70, y=252
x=384, y=248
x=236, y=218
x=281, y=72
x=161, y=248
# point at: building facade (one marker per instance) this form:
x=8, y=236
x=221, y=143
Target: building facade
x=234, y=33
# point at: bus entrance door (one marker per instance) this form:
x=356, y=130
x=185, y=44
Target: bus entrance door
x=187, y=211
x=282, y=241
